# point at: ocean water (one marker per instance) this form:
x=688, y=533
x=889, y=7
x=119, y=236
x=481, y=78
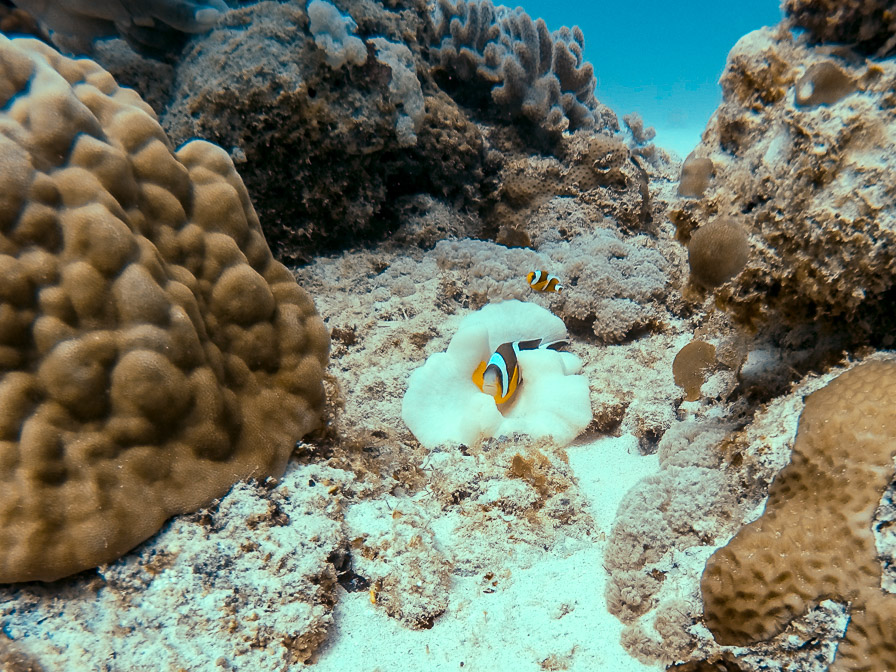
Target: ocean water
x=660, y=59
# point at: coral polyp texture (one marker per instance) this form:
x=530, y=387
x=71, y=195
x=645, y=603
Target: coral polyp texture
x=815, y=540
x=529, y=71
x=152, y=352
x=802, y=155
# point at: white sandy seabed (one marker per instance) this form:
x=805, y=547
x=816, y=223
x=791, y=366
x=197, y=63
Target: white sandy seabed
x=550, y=615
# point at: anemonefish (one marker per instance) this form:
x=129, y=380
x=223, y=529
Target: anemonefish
x=500, y=377
x=542, y=281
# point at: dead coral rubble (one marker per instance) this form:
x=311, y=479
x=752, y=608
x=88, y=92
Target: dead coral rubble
x=152, y=351
x=248, y=584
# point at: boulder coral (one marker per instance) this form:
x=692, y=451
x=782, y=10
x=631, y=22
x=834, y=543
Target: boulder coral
x=152, y=351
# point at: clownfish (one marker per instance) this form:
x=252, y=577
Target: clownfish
x=542, y=281
x=500, y=377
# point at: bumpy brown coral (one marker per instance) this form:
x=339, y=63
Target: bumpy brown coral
x=815, y=539
x=696, y=172
x=152, y=352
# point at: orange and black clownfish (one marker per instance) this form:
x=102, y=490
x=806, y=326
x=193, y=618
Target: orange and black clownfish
x=500, y=377
x=542, y=281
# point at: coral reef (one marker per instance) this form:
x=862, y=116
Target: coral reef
x=713, y=476
x=406, y=303
x=340, y=115
x=810, y=183
x=152, y=350
x=815, y=540
x=329, y=139
x=615, y=285
x=597, y=170
x=451, y=147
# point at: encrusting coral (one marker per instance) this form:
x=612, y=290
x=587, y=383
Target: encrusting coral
x=152, y=352
x=815, y=540
x=331, y=116
x=868, y=26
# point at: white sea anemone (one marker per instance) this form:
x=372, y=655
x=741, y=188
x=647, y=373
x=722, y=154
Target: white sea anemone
x=443, y=405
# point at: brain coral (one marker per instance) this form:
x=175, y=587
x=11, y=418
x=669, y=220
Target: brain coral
x=812, y=185
x=152, y=352
x=815, y=540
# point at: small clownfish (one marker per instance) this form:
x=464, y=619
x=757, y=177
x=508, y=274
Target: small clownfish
x=500, y=377
x=542, y=281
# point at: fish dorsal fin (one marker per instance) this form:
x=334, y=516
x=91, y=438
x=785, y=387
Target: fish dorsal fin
x=531, y=344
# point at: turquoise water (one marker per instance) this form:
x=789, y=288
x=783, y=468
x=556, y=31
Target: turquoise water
x=661, y=59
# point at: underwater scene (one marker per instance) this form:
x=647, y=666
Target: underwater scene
x=399, y=335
